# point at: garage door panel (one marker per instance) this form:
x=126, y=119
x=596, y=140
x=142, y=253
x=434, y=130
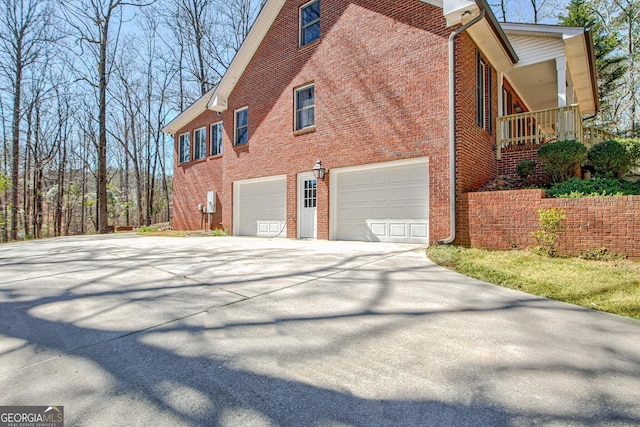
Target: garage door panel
x=385, y=203
x=262, y=208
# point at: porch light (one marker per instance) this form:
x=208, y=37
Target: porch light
x=318, y=170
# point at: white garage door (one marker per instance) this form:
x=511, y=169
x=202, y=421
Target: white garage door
x=387, y=202
x=260, y=207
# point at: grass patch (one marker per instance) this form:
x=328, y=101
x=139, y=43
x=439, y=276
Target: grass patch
x=606, y=285
x=151, y=231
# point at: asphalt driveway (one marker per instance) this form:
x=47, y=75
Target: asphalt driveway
x=201, y=331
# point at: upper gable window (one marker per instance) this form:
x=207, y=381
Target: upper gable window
x=309, y=22
x=305, y=107
x=184, y=144
x=200, y=143
x=242, y=126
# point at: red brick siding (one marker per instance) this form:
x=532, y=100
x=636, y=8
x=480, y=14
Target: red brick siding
x=380, y=71
x=380, y=75
x=505, y=219
x=510, y=160
x=475, y=155
x=192, y=180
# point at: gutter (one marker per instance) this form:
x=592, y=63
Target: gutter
x=452, y=124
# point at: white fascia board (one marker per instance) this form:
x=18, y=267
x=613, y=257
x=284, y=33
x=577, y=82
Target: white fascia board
x=193, y=111
x=457, y=10
x=249, y=46
x=580, y=69
x=542, y=30
x=437, y=3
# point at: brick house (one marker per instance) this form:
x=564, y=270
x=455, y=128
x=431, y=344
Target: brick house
x=408, y=104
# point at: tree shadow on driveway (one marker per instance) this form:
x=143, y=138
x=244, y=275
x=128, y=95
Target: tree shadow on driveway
x=365, y=340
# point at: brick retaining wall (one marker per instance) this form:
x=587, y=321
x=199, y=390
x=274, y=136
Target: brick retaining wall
x=505, y=220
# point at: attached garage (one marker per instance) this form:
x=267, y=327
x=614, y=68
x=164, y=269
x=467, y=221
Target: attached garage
x=260, y=207
x=386, y=202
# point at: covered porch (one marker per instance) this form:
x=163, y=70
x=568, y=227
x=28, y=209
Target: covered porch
x=545, y=95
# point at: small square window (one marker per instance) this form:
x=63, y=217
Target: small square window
x=200, y=143
x=305, y=107
x=184, y=145
x=216, y=139
x=242, y=126
x=310, y=22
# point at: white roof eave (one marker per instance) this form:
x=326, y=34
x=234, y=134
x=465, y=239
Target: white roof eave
x=249, y=46
x=193, y=111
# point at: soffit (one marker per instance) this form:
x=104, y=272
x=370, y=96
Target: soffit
x=193, y=111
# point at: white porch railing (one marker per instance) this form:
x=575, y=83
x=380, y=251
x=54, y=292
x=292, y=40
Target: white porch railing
x=526, y=130
x=592, y=136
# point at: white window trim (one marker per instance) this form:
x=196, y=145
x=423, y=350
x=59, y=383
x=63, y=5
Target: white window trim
x=197, y=143
x=308, y=25
x=180, y=140
x=296, y=109
x=235, y=126
x=220, y=123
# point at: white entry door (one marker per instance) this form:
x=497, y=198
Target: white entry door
x=307, y=210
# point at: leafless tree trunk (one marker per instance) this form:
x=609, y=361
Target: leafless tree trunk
x=22, y=37
x=92, y=21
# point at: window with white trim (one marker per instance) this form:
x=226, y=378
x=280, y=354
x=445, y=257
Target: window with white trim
x=241, y=126
x=310, y=22
x=200, y=143
x=305, y=107
x=184, y=145
x=216, y=138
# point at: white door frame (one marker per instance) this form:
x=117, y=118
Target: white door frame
x=302, y=177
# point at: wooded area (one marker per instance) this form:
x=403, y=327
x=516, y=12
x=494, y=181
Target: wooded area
x=86, y=86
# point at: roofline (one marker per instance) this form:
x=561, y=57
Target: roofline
x=263, y=22
x=498, y=30
x=198, y=107
x=566, y=33
x=543, y=28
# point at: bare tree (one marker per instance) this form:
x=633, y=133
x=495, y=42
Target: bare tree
x=91, y=21
x=629, y=18
x=23, y=37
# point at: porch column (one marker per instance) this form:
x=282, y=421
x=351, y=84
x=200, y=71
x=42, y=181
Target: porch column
x=561, y=68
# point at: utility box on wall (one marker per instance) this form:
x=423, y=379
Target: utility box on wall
x=211, y=202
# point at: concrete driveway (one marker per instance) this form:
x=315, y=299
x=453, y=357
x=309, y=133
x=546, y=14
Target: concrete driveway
x=201, y=331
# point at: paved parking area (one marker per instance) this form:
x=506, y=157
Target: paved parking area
x=203, y=331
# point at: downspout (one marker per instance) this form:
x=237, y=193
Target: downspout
x=452, y=126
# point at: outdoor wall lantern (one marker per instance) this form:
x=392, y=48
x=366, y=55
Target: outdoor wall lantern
x=318, y=170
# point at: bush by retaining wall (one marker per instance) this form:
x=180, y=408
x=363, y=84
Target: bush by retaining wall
x=505, y=220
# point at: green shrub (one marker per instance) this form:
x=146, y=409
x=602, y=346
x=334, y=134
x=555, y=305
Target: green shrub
x=633, y=146
x=146, y=229
x=559, y=159
x=597, y=187
x=551, y=225
x=610, y=159
x=525, y=170
x=218, y=232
